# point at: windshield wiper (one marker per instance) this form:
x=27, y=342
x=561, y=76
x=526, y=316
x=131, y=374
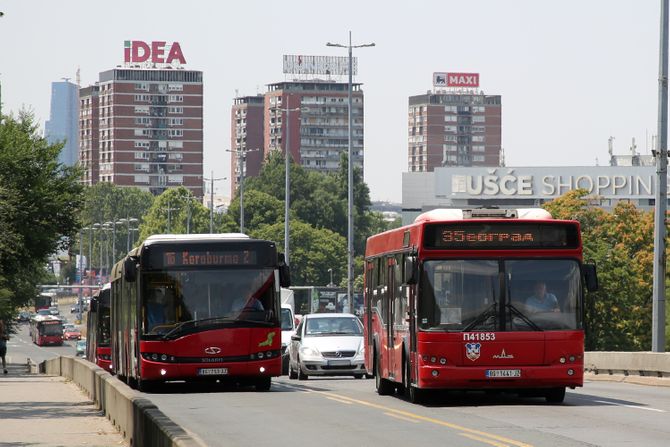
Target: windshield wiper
x=488, y=313
x=525, y=319
x=195, y=323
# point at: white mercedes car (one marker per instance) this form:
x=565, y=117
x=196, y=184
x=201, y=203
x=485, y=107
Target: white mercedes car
x=327, y=344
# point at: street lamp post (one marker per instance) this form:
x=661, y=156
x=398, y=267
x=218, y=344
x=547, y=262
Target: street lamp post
x=287, y=177
x=127, y=221
x=211, y=199
x=350, y=167
x=331, y=283
x=242, y=164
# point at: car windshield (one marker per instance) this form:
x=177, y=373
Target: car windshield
x=536, y=295
x=177, y=301
x=333, y=326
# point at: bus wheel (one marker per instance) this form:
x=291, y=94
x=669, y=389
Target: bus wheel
x=263, y=384
x=412, y=393
x=384, y=386
x=145, y=386
x=555, y=395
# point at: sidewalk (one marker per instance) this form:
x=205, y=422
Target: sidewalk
x=41, y=410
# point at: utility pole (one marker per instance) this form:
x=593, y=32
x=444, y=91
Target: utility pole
x=661, y=193
x=169, y=210
x=242, y=162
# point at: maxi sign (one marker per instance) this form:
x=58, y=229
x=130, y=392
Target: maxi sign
x=156, y=54
x=616, y=182
x=443, y=79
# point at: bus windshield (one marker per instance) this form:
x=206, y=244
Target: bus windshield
x=50, y=329
x=505, y=295
x=177, y=301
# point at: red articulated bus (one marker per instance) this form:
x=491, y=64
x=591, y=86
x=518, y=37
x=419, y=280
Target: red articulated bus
x=98, y=350
x=477, y=299
x=198, y=308
x=46, y=330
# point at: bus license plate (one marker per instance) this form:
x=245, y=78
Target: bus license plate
x=495, y=373
x=212, y=371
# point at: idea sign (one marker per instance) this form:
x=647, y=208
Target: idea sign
x=441, y=79
x=154, y=53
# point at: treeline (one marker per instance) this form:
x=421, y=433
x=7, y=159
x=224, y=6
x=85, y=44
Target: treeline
x=621, y=243
x=40, y=201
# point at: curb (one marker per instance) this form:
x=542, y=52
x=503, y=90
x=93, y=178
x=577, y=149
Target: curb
x=138, y=420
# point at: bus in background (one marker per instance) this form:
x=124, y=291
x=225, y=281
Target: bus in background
x=46, y=330
x=98, y=350
x=453, y=301
x=202, y=307
x=44, y=301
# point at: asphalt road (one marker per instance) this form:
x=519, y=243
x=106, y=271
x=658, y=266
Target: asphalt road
x=346, y=411
x=343, y=411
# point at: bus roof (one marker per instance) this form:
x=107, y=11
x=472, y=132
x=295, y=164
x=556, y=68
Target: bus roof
x=194, y=237
x=442, y=214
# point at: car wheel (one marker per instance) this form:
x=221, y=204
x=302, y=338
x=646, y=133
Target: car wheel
x=301, y=375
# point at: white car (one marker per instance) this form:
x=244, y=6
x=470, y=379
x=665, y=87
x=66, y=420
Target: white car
x=327, y=344
x=287, y=330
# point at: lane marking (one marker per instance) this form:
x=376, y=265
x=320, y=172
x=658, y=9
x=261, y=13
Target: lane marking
x=506, y=442
x=487, y=441
x=637, y=407
x=413, y=421
x=348, y=402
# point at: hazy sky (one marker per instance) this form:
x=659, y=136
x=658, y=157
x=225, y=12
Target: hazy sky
x=571, y=73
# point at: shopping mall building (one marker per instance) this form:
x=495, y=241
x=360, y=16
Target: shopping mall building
x=523, y=187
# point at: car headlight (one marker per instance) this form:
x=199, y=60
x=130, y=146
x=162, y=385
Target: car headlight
x=309, y=351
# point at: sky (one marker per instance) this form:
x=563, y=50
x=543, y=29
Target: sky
x=571, y=74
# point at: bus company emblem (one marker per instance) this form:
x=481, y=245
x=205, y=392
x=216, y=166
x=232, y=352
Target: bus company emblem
x=503, y=355
x=472, y=350
x=212, y=350
x=268, y=341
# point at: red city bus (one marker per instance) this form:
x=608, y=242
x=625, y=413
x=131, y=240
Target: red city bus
x=43, y=301
x=450, y=303
x=46, y=330
x=98, y=350
x=198, y=308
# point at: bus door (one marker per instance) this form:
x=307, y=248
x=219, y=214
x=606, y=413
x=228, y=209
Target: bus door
x=391, y=295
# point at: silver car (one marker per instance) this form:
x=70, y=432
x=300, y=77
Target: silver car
x=327, y=344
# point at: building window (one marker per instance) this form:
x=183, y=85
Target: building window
x=479, y=158
x=175, y=98
x=478, y=138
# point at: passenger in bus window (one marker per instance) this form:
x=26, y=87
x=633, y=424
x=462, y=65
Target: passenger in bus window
x=541, y=300
x=156, y=303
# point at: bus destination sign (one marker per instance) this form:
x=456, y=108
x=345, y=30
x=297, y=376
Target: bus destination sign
x=476, y=235
x=208, y=258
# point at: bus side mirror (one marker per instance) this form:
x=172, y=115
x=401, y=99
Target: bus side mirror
x=129, y=269
x=590, y=277
x=284, y=272
x=411, y=274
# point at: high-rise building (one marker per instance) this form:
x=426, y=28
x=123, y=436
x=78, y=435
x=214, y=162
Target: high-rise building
x=62, y=123
x=246, y=137
x=150, y=129
x=88, y=134
x=316, y=112
x=456, y=126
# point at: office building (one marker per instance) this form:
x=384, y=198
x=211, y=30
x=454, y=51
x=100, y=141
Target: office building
x=62, y=124
x=454, y=125
x=247, y=128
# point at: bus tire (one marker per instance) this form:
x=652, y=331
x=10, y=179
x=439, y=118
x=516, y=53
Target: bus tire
x=146, y=386
x=263, y=384
x=555, y=395
x=384, y=386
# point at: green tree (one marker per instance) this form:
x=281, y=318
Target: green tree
x=313, y=251
x=175, y=211
x=40, y=201
x=260, y=208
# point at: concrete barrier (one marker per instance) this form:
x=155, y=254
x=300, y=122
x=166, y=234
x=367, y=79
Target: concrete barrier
x=649, y=364
x=139, y=421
